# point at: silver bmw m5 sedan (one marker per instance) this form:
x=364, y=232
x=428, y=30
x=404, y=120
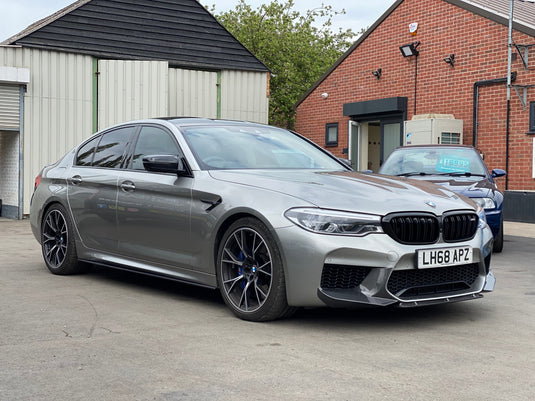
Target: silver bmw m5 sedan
x=263, y=214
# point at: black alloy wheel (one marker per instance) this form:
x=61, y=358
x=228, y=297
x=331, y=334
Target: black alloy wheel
x=250, y=272
x=57, y=242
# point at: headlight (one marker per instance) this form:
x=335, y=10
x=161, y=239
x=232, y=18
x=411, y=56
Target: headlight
x=482, y=217
x=485, y=203
x=334, y=222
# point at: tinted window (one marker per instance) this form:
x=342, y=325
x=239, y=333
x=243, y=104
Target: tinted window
x=153, y=141
x=85, y=154
x=110, y=150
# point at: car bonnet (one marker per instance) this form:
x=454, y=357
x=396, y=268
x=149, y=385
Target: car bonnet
x=351, y=191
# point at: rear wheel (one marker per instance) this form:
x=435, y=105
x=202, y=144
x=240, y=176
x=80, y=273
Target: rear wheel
x=57, y=242
x=250, y=272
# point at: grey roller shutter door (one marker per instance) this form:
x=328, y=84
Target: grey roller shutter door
x=9, y=106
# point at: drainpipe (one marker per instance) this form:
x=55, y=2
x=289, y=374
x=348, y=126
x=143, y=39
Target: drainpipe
x=95, y=95
x=477, y=85
x=22, y=92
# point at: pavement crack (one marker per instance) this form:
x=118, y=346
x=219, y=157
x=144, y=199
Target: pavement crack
x=92, y=328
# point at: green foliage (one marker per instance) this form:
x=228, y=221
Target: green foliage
x=293, y=46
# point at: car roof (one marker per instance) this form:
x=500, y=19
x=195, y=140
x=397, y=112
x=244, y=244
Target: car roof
x=436, y=146
x=185, y=121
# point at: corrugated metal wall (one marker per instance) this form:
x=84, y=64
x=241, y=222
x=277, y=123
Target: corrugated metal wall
x=131, y=90
x=244, y=96
x=9, y=106
x=57, y=106
x=192, y=93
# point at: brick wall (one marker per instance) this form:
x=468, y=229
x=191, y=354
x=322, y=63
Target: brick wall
x=9, y=170
x=480, y=48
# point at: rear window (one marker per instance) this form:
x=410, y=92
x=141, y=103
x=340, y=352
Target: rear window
x=105, y=150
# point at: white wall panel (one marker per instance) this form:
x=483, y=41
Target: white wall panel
x=57, y=106
x=131, y=90
x=244, y=96
x=192, y=93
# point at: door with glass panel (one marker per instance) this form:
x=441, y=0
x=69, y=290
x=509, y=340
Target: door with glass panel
x=391, y=137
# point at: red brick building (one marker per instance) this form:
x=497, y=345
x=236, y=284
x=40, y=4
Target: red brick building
x=358, y=108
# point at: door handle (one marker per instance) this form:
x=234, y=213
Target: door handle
x=128, y=186
x=76, y=180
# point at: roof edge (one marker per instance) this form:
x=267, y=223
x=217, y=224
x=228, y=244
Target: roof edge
x=492, y=15
x=348, y=52
x=44, y=21
x=466, y=5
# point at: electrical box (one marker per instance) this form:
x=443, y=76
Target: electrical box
x=433, y=129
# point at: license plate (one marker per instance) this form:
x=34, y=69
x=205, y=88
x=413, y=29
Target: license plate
x=460, y=255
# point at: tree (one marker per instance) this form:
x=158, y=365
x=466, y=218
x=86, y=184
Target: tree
x=291, y=45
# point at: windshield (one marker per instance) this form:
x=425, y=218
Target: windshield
x=254, y=147
x=434, y=161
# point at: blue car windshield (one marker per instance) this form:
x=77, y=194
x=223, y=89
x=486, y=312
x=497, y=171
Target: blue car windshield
x=254, y=147
x=434, y=161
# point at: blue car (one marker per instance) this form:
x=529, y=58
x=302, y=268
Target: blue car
x=458, y=168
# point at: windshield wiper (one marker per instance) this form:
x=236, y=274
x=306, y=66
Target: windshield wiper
x=412, y=173
x=461, y=174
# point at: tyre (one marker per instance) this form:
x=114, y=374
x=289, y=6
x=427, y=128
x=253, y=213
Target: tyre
x=57, y=242
x=250, y=272
x=498, y=241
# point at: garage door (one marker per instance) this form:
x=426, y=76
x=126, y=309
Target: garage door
x=9, y=107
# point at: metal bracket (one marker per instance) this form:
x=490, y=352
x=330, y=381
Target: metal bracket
x=524, y=57
x=524, y=95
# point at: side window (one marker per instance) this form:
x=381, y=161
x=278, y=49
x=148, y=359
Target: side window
x=85, y=153
x=153, y=141
x=110, y=150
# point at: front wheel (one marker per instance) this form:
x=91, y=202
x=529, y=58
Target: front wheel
x=57, y=242
x=250, y=272
x=498, y=241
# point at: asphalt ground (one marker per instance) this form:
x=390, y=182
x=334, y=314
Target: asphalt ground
x=112, y=335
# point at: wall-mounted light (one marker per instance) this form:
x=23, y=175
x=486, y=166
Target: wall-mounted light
x=324, y=95
x=377, y=73
x=450, y=59
x=410, y=49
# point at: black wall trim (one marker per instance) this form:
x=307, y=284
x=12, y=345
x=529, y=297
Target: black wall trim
x=10, y=212
x=519, y=206
x=379, y=106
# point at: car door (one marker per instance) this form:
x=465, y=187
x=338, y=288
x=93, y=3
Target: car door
x=92, y=187
x=154, y=208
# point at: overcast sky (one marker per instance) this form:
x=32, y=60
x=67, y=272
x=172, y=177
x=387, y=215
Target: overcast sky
x=16, y=15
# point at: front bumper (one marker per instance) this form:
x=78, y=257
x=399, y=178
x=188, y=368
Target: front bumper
x=376, y=270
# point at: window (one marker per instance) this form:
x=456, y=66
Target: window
x=532, y=117
x=110, y=150
x=331, y=134
x=450, y=138
x=85, y=154
x=153, y=141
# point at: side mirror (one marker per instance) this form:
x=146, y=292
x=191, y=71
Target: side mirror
x=345, y=161
x=498, y=172
x=164, y=164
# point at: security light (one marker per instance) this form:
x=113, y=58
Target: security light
x=410, y=49
x=450, y=59
x=377, y=73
